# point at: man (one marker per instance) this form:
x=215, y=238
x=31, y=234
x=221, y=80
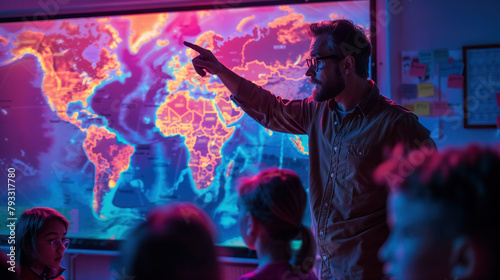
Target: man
x=443, y=215
x=349, y=124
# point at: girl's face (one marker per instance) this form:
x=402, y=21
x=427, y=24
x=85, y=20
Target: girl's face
x=244, y=221
x=50, y=253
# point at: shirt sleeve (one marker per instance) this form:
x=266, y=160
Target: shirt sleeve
x=273, y=112
x=411, y=134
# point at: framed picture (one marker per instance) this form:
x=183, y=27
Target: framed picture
x=481, y=86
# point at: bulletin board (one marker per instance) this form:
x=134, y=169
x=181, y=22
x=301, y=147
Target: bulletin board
x=432, y=87
x=482, y=86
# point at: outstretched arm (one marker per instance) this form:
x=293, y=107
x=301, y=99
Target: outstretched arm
x=207, y=62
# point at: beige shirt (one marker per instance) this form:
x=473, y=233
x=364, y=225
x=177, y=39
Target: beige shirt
x=349, y=210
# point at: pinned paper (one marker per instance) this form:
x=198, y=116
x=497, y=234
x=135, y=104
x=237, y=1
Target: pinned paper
x=440, y=108
x=455, y=81
x=427, y=57
x=425, y=90
x=418, y=69
x=410, y=106
x=409, y=91
x=451, y=68
x=498, y=122
x=441, y=55
x=422, y=108
x=497, y=97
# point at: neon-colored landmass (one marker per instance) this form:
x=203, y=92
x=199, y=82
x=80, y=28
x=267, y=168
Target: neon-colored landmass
x=62, y=83
x=204, y=132
x=204, y=13
x=143, y=28
x=70, y=78
x=292, y=28
x=298, y=144
x=3, y=40
x=229, y=168
x=110, y=159
x=243, y=22
x=162, y=43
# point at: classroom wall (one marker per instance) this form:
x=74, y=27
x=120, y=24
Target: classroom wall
x=417, y=25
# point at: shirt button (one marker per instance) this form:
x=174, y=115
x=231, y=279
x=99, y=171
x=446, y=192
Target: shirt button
x=335, y=148
x=335, y=123
x=331, y=175
x=359, y=116
x=321, y=233
x=324, y=258
x=360, y=153
x=326, y=204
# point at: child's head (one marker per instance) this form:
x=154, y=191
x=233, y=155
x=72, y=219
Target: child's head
x=175, y=242
x=442, y=210
x=272, y=203
x=41, y=238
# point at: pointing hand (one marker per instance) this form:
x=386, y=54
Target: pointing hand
x=205, y=61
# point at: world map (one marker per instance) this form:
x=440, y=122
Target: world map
x=104, y=118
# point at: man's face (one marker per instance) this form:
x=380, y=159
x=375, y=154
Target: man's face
x=328, y=79
x=419, y=246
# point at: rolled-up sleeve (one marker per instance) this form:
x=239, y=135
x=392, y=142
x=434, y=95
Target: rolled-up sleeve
x=273, y=112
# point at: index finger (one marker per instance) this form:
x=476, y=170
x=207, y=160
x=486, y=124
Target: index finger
x=195, y=47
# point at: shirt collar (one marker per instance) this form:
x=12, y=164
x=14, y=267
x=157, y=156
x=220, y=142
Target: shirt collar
x=366, y=104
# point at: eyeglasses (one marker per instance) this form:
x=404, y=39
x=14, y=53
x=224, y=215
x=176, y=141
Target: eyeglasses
x=313, y=61
x=57, y=243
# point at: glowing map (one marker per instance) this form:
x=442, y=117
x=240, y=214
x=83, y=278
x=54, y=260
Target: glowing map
x=104, y=118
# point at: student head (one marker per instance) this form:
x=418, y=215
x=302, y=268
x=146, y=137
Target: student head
x=41, y=238
x=340, y=54
x=175, y=242
x=272, y=206
x=443, y=214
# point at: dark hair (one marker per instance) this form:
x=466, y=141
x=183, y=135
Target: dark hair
x=277, y=199
x=344, y=39
x=29, y=226
x=466, y=181
x=175, y=242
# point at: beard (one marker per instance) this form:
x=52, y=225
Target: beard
x=326, y=92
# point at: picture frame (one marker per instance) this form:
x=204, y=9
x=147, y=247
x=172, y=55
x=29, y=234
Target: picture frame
x=481, y=86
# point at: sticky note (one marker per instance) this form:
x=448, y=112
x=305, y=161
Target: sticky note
x=409, y=91
x=410, y=106
x=450, y=68
x=422, y=108
x=427, y=57
x=497, y=97
x=425, y=89
x=440, y=108
x=498, y=122
x=455, y=81
x=441, y=55
x=418, y=69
